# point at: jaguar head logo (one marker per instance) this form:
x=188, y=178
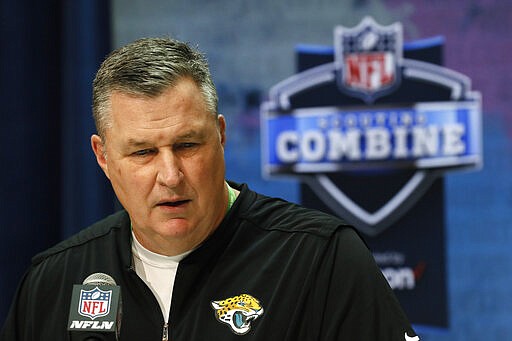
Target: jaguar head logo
x=238, y=312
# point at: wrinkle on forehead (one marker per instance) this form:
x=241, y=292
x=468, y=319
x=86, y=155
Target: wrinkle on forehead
x=191, y=134
x=180, y=107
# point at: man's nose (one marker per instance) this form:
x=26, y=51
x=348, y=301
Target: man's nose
x=169, y=169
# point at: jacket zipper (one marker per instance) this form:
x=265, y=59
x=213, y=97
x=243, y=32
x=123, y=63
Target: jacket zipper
x=165, y=333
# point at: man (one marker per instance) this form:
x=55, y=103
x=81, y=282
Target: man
x=197, y=257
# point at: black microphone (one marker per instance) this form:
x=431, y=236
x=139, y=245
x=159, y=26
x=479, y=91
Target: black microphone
x=95, y=310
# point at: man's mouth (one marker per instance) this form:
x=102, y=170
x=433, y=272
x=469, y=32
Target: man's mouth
x=176, y=203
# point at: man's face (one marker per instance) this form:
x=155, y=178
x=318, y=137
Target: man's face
x=165, y=159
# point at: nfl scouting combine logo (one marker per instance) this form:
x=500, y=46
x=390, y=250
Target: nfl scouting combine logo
x=94, y=303
x=436, y=129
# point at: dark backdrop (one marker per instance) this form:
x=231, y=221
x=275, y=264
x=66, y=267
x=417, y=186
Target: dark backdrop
x=49, y=51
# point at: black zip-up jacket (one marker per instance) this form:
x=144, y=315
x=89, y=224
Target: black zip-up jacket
x=271, y=271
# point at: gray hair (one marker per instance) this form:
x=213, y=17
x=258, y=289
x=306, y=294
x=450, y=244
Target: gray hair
x=147, y=67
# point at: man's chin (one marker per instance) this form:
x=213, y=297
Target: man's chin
x=174, y=228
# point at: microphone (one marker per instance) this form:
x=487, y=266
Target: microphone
x=95, y=311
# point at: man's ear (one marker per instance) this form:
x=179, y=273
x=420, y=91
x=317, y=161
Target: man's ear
x=98, y=147
x=222, y=129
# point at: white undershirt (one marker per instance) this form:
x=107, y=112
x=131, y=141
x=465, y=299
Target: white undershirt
x=158, y=272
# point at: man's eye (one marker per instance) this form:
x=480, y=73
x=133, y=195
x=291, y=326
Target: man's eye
x=142, y=152
x=185, y=145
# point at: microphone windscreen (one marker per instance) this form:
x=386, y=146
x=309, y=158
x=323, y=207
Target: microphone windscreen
x=99, y=278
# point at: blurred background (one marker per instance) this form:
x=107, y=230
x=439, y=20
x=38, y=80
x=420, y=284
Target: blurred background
x=52, y=187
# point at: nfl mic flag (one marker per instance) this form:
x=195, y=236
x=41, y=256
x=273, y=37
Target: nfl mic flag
x=95, y=309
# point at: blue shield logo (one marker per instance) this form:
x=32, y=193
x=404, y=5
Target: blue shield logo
x=368, y=58
x=94, y=303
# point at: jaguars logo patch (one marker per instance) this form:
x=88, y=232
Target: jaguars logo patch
x=238, y=312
